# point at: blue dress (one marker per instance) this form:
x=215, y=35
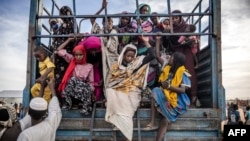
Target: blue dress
x=164, y=107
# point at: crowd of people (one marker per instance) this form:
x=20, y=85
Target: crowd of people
x=115, y=70
x=238, y=115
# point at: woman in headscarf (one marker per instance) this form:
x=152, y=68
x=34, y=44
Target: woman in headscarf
x=137, y=22
x=179, y=25
x=170, y=98
x=66, y=27
x=124, y=26
x=77, y=82
x=93, y=45
x=127, y=78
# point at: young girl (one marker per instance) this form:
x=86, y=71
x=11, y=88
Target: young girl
x=179, y=26
x=46, y=69
x=127, y=78
x=170, y=98
x=93, y=45
x=77, y=83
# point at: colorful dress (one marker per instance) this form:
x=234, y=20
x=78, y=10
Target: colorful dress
x=78, y=80
x=67, y=27
x=169, y=103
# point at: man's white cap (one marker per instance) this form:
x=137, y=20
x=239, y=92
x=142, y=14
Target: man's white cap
x=38, y=104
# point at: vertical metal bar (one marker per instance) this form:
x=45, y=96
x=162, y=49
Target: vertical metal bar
x=35, y=6
x=138, y=16
x=106, y=20
x=192, y=19
x=213, y=52
x=52, y=8
x=217, y=31
x=170, y=16
x=138, y=124
x=52, y=13
x=92, y=122
x=114, y=136
x=216, y=41
x=199, y=28
x=75, y=24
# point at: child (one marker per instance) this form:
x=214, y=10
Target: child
x=77, y=82
x=46, y=69
x=127, y=78
x=170, y=98
x=193, y=40
x=93, y=45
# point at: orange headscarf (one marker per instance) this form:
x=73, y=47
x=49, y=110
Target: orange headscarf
x=71, y=66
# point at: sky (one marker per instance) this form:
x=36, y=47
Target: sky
x=235, y=23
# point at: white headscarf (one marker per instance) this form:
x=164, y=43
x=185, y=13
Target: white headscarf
x=120, y=57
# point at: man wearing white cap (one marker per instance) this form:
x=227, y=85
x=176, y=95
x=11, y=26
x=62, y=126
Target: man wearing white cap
x=45, y=119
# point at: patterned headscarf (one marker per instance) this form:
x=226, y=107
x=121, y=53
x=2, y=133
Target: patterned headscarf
x=123, y=78
x=71, y=67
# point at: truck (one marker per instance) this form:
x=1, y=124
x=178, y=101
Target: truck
x=197, y=124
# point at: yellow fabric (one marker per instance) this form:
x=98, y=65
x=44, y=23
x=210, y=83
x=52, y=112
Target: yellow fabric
x=36, y=89
x=127, y=80
x=43, y=66
x=176, y=81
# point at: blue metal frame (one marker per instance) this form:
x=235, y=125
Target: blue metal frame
x=213, y=31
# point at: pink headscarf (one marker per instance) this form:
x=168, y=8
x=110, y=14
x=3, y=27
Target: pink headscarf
x=147, y=26
x=91, y=42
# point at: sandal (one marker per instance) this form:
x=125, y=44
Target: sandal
x=149, y=128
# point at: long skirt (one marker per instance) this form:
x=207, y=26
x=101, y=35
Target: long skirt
x=81, y=91
x=120, y=110
x=164, y=107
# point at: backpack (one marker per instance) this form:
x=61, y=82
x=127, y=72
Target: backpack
x=10, y=117
x=233, y=117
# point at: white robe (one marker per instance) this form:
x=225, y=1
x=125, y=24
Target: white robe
x=45, y=130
